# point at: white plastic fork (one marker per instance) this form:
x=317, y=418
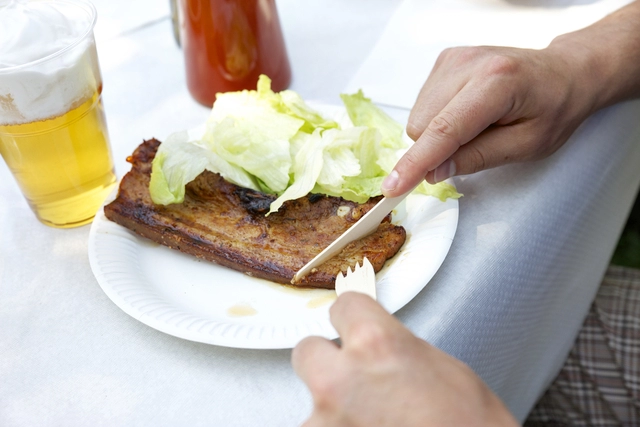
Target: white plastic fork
x=361, y=279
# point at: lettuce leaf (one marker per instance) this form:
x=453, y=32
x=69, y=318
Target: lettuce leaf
x=322, y=160
x=363, y=112
x=441, y=190
x=238, y=142
x=276, y=143
x=383, y=154
x=245, y=130
x=307, y=167
x=179, y=161
x=295, y=106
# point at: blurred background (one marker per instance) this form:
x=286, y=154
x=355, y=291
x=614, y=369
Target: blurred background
x=627, y=252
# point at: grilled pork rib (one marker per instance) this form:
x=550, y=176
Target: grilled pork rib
x=224, y=223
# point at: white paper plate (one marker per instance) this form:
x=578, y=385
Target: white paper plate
x=201, y=301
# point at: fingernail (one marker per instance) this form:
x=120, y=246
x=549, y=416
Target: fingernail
x=444, y=171
x=391, y=181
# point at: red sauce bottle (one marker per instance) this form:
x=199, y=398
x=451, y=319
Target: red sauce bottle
x=228, y=43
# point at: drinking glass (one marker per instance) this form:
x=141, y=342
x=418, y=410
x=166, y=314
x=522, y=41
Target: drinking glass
x=53, y=133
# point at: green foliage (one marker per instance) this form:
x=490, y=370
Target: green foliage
x=627, y=252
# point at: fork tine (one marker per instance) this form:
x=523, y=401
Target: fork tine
x=341, y=282
x=361, y=279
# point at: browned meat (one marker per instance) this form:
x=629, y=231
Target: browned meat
x=221, y=222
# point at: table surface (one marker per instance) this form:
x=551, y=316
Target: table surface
x=532, y=242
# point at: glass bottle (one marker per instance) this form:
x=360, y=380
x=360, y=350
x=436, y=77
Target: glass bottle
x=227, y=44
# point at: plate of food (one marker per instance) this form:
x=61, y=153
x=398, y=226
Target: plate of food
x=206, y=252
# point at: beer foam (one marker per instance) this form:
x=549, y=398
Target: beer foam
x=37, y=82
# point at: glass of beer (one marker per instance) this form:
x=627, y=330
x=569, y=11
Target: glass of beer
x=53, y=133
x=227, y=44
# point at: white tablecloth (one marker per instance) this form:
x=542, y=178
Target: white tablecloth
x=532, y=242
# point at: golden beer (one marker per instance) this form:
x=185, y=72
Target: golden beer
x=53, y=133
x=63, y=165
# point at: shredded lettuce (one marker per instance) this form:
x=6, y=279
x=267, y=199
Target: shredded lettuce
x=307, y=167
x=276, y=143
x=179, y=161
x=442, y=190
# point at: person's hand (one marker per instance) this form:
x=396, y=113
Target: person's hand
x=482, y=107
x=383, y=375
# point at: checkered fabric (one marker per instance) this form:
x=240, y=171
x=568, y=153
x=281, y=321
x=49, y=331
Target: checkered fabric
x=599, y=384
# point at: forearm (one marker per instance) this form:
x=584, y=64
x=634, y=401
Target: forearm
x=607, y=56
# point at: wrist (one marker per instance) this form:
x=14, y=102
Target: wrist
x=604, y=58
x=580, y=73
